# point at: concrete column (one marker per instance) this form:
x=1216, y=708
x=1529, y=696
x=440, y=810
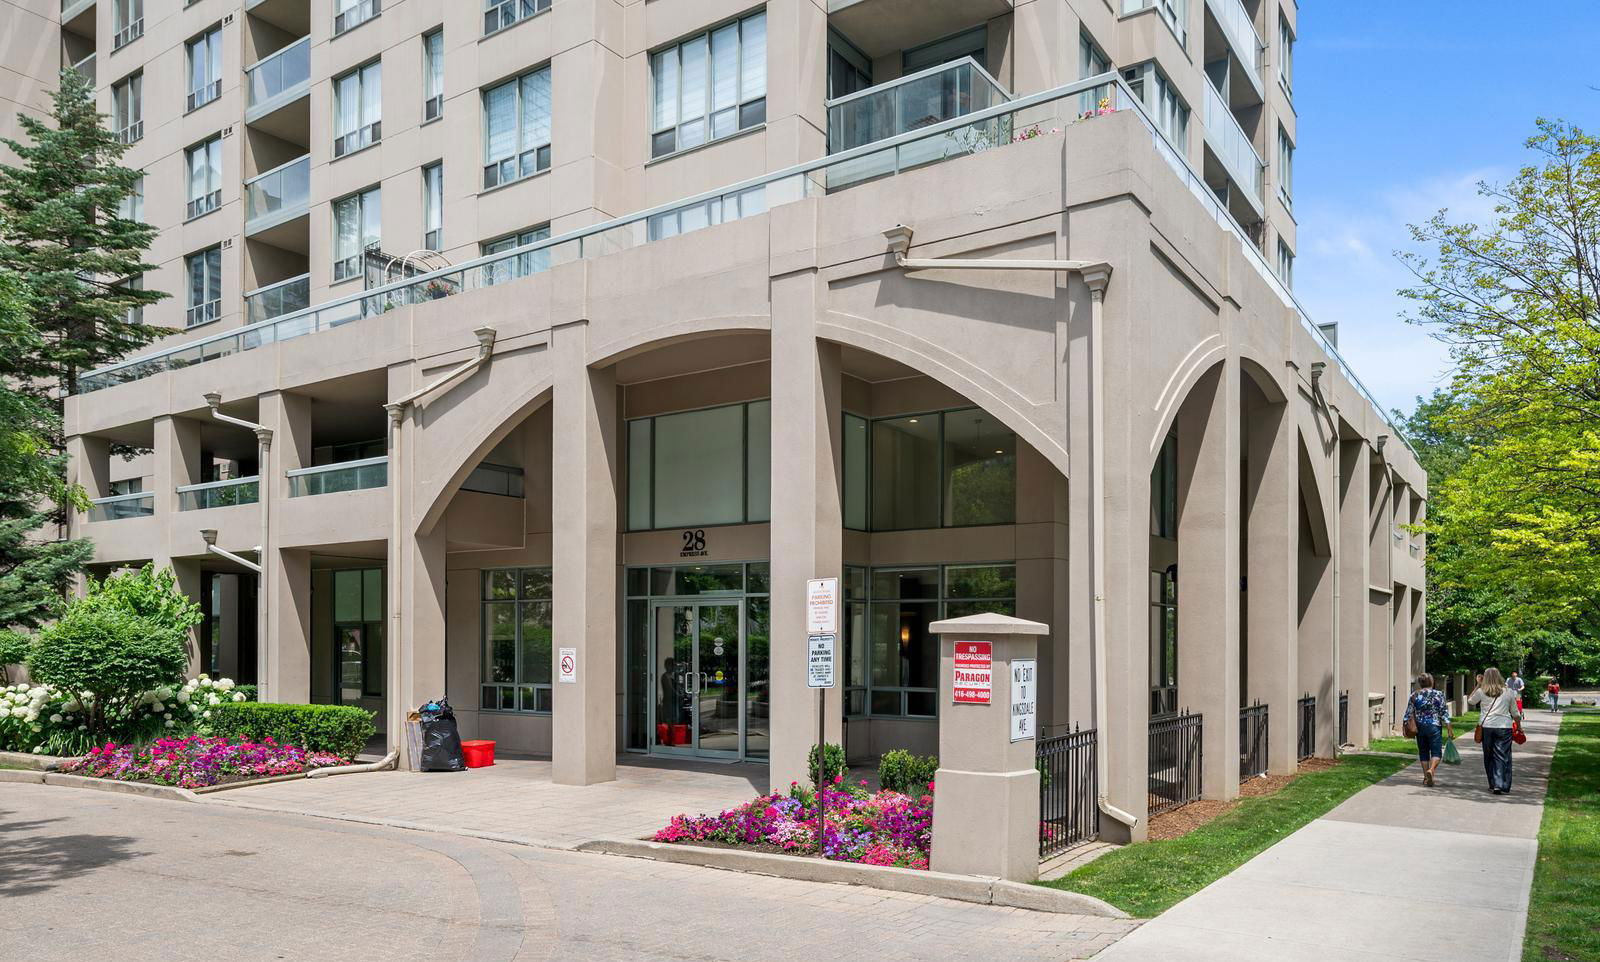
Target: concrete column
x=1317, y=666
x=285, y=653
x=797, y=121
x=1273, y=492
x=986, y=812
x=1355, y=654
x=176, y=460
x=1042, y=589
x=807, y=518
x=1208, y=572
x=1380, y=624
x=1400, y=650
x=584, y=458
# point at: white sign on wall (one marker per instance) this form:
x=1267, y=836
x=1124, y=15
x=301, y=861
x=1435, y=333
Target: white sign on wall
x=822, y=606
x=567, y=666
x=820, y=661
x=1024, y=698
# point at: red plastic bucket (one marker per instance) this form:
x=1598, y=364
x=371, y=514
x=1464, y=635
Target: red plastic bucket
x=680, y=735
x=478, y=754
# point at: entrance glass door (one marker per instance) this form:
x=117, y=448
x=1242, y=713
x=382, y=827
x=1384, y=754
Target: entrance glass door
x=697, y=666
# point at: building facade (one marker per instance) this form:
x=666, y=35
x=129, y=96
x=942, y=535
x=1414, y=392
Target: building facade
x=585, y=332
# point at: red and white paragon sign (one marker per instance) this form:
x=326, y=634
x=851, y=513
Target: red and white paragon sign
x=974, y=672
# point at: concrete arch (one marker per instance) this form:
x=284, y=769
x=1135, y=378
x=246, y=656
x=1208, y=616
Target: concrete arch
x=1261, y=376
x=474, y=446
x=1312, y=494
x=648, y=339
x=950, y=370
x=1206, y=356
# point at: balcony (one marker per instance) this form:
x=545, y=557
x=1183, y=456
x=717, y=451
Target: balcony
x=343, y=476
x=85, y=69
x=219, y=494
x=881, y=27
x=78, y=16
x=277, y=81
x=923, y=99
x=121, y=506
x=1232, y=147
x=275, y=198
x=498, y=479
x=1239, y=31
x=276, y=300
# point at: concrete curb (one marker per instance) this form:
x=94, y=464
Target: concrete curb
x=125, y=788
x=27, y=777
x=265, y=780
x=38, y=763
x=964, y=888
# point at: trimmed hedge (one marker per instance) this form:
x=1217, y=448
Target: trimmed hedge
x=901, y=771
x=341, y=730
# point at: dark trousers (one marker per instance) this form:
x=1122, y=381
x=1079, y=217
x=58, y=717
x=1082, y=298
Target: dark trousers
x=1497, y=758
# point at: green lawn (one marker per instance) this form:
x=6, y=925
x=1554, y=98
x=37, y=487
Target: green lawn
x=1565, y=901
x=1146, y=880
x=1464, y=723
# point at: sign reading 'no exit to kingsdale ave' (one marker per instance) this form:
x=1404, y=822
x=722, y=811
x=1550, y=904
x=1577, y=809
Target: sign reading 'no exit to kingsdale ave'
x=974, y=672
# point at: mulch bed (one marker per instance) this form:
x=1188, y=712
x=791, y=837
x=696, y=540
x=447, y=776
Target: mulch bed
x=1181, y=821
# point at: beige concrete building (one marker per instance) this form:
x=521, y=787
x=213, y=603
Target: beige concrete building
x=582, y=335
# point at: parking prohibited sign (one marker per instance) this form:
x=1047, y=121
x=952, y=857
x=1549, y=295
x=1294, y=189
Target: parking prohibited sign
x=820, y=660
x=567, y=666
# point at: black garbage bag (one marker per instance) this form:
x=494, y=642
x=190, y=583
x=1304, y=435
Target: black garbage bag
x=441, y=740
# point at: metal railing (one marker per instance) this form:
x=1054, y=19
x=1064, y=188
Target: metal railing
x=219, y=494
x=203, y=313
x=203, y=94
x=358, y=139
x=127, y=35
x=1240, y=30
x=120, y=506
x=1306, y=730
x=923, y=99
x=342, y=476
x=280, y=71
x=498, y=16
x=783, y=186
x=1176, y=755
x=1069, y=791
x=279, y=193
x=131, y=133
x=204, y=204
x=1253, y=735
x=275, y=300
x=1344, y=718
x=1233, y=145
x=498, y=479
x=355, y=15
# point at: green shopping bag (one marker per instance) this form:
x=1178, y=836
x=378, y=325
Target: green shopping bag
x=1451, y=756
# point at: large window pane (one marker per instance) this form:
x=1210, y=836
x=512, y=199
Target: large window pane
x=639, y=474
x=372, y=594
x=500, y=636
x=905, y=472
x=855, y=472
x=980, y=465
x=985, y=581
x=535, y=642
x=753, y=50
x=758, y=460
x=699, y=468
x=758, y=687
x=905, y=583
x=347, y=596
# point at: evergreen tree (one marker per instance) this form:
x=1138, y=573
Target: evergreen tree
x=63, y=236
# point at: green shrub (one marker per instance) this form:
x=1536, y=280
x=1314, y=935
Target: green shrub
x=151, y=594
x=14, y=647
x=901, y=771
x=341, y=730
x=113, y=655
x=833, y=764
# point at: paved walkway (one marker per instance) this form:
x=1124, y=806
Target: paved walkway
x=1397, y=872
x=516, y=798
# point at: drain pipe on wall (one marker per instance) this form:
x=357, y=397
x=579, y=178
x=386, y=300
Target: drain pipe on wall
x=1095, y=275
x=396, y=410
x=264, y=488
x=1335, y=532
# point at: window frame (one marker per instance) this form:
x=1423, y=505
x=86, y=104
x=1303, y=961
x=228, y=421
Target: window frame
x=211, y=87
x=210, y=200
x=509, y=13
x=432, y=71
x=362, y=135
x=433, y=206
x=131, y=207
x=210, y=309
x=1285, y=168
x=942, y=508
x=741, y=105
x=1285, y=264
x=1162, y=101
x=517, y=602
x=342, y=270
x=511, y=268
x=127, y=22
x=349, y=15
x=1286, y=42
x=746, y=516
x=367, y=654
x=543, y=153
x=127, y=107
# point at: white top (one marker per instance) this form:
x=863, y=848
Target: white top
x=1499, y=711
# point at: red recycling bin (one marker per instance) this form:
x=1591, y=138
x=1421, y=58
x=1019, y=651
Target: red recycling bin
x=680, y=735
x=478, y=753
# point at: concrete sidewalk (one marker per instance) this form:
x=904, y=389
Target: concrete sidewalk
x=1397, y=872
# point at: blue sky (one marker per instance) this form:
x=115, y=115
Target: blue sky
x=1403, y=108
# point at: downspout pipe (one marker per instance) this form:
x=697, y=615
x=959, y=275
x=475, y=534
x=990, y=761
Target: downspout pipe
x=1335, y=527
x=1096, y=275
x=265, y=488
x=209, y=536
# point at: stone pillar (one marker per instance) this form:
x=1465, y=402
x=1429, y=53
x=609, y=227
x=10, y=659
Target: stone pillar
x=807, y=518
x=176, y=462
x=284, y=654
x=1354, y=561
x=986, y=806
x=584, y=458
x=1273, y=532
x=1042, y=590
x=1208, y=572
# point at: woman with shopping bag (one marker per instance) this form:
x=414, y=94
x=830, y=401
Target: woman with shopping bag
x=1426, y=720
x=1498, y=725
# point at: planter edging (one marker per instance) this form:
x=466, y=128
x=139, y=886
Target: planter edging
x=126, y=788
x=28, y=760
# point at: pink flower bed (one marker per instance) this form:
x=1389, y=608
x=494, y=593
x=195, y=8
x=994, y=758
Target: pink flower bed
x=197, y=762
x=883, y=828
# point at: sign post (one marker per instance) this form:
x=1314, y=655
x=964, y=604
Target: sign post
x=822, y=629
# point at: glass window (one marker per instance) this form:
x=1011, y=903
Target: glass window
x=1091, y=63
x=357, y=227
x=349, y=14
x=518, y=639
x=522, y=265
x=204, y=163
x=758, y=461
x=699, y=467
x=1285, y=264
x=500, y=14
x=358, y=622
x=1164, y=491
x=855, y=472
x=717, y=210
x=433, y=207
x=358, y=109
x=205, y=286
x=1164, y=641
x=205, y=68
x=980, y=470
x=1174, y=12
x=132, y=206
x=127, y=107
x=972, y=43
x=1285, y=167
x=127, y=19
x=432, y=75
x=639, y=474
x=135, y=313
x=516, y=128
x=849, y=70
x=905, y=462
x=1161, y=99
x=1285, y=53
x=709, y=86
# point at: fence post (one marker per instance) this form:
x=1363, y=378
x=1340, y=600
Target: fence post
x=986, y=797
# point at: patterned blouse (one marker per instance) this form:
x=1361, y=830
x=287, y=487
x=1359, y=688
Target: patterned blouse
x=1428, y=708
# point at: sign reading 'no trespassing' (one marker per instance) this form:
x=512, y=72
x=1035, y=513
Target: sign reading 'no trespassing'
x=974, y=672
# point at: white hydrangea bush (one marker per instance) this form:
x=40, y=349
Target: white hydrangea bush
x=40, y=720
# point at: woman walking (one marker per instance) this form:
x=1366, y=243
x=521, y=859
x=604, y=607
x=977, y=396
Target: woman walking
x=1427, y=718
x=1498, y=717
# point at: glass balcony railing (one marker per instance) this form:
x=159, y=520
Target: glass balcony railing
x=1233, y=145
x=276, y=300
x=85, y=69
x=1034, y=115
x=498, y=479
x=343, y=476
x=219, y=494
x=120, y=506
x=1240, y=30
x=278, y=194
x=922, y=99
x=279, y=72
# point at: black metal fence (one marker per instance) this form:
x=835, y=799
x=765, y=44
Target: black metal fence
x=1344, y=718
x=1175, y=759
x=1069, y=791
x=1308, y=727
x=1252, y=741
